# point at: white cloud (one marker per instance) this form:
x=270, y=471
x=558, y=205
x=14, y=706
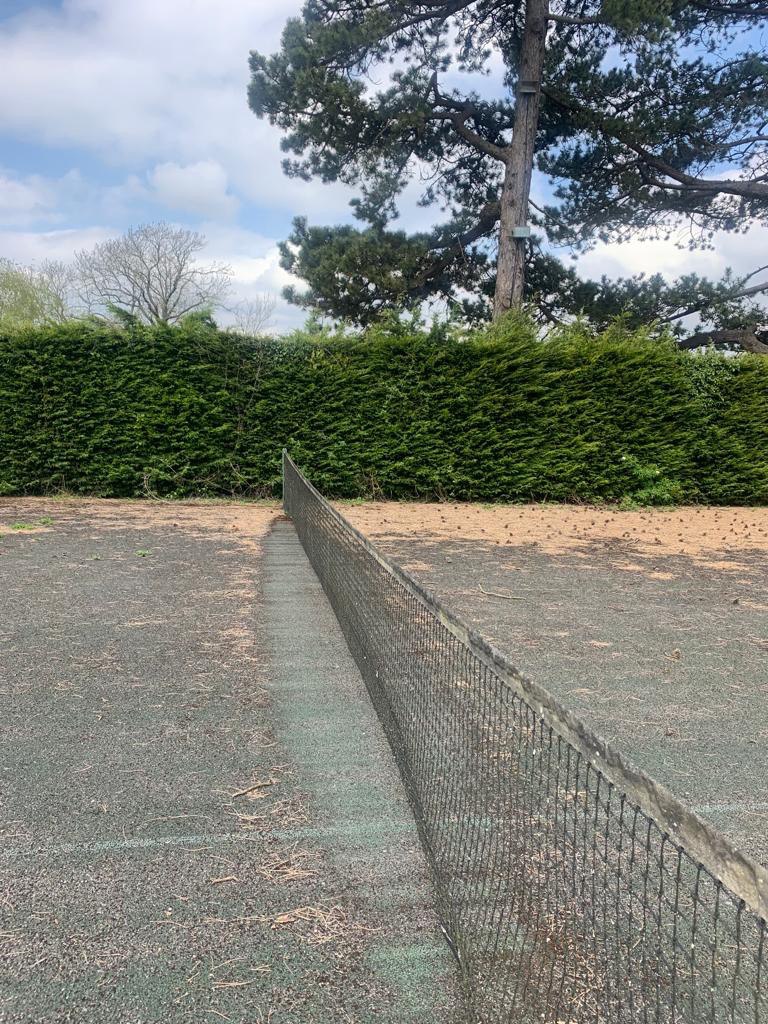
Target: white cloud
x=255, y=261
x=30, y=247
x=261, y=277
x=138, y=83
x=201, y=188
x=23, y=200
x=34, y=198
x=743, y=253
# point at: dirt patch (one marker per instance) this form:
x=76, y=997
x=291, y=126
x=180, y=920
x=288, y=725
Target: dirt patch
x=248, y=522
x=716, y=538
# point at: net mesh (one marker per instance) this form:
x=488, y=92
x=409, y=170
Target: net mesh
x=572, y=888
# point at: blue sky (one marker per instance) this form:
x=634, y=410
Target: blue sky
x=116, y=112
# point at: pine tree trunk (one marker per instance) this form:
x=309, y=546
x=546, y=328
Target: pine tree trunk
x=510, y=274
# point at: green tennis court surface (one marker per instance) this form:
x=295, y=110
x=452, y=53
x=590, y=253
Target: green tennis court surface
x=200, y=817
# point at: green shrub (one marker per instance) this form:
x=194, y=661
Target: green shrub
x=651, y=486
x=399, y=412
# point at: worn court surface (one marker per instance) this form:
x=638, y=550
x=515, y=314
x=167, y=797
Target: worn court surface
x=651, y=625
x=199, y=817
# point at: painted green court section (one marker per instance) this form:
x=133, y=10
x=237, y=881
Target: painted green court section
x=327, y=721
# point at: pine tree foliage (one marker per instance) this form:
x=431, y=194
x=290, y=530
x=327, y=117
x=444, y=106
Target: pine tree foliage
x=650, y=118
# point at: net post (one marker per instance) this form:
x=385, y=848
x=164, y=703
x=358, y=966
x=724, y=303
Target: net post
x=282, y=470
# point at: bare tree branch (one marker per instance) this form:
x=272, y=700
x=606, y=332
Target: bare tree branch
x=253, y=316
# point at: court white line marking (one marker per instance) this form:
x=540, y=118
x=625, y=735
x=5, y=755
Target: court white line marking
x=195, y=841
x=143, y=843
x=713, y=808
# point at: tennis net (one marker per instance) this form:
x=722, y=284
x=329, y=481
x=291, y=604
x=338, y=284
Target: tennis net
x=573, y=888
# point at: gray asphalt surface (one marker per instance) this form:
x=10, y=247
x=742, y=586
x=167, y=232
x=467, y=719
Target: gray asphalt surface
x=171, y=845
x=673, y=672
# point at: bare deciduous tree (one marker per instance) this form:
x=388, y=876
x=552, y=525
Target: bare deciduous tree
x=253, y=316
x=151, y=273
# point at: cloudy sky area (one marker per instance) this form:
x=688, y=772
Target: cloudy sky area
x=118, y=112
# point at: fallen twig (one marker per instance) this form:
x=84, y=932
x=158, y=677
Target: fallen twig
x=253, y=788
x=493, y=593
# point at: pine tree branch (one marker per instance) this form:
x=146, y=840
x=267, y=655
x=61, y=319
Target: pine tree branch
x=458, y=113
x=487, y=221
x=742, y=336
x=685, y=182
x=439, y=10
x=475, y=140
x=689, y=182
x=740, y=292
x=750, y=9
x=565, y=19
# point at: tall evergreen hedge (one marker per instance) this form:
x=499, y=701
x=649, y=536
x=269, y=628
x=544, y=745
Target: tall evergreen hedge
x=501, y=416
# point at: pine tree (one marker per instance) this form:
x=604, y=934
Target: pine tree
x=645, y=113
